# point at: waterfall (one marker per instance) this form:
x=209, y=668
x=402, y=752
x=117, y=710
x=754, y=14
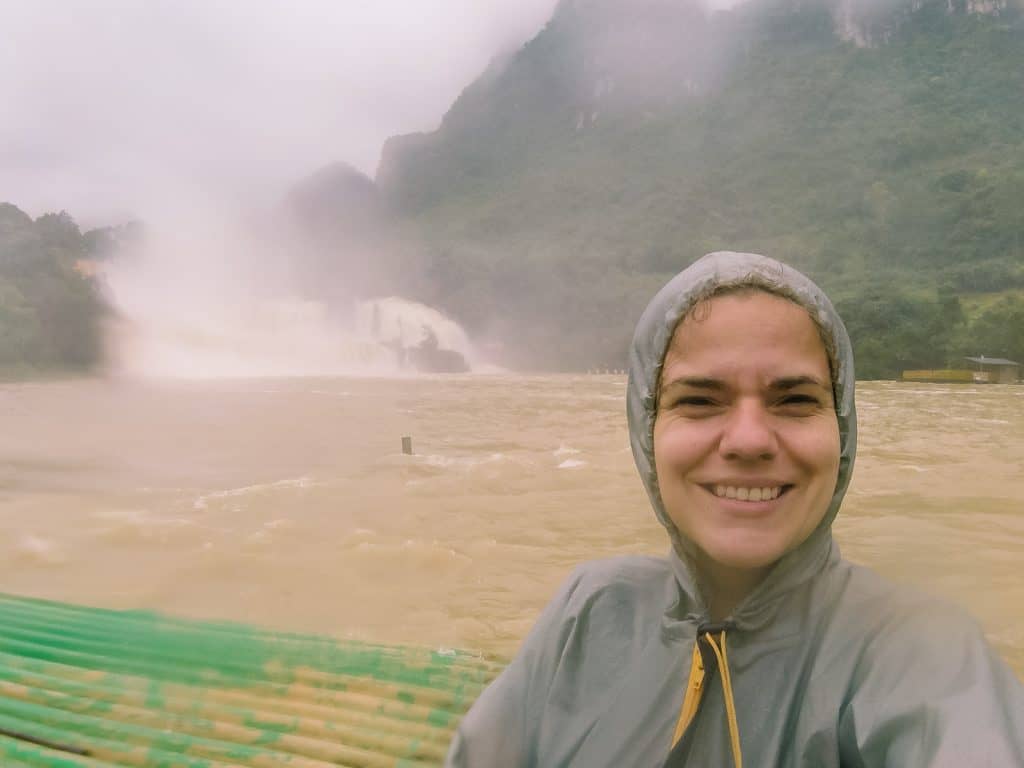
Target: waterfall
x=207, y=302
x=275, y=338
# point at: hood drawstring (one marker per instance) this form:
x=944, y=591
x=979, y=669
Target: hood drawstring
x=695, y=688
x=730, y=704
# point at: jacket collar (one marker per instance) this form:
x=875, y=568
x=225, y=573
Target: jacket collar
x=687, y=609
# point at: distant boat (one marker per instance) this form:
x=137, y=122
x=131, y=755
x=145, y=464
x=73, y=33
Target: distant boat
x=428, y=357
x=437, y=361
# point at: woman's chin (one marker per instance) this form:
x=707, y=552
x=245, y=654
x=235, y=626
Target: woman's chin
x=750, y=556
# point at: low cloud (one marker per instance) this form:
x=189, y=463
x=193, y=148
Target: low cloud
x=118, y=108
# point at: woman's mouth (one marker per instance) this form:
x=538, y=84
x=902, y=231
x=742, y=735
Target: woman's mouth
x=748, y=493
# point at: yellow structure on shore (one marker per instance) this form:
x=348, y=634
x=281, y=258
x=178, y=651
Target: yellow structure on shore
x=991, y=370
x=941, y=376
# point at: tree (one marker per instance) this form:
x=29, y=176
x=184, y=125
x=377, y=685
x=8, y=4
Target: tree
x=50, y=314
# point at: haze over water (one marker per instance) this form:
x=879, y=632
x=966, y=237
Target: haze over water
x=287, y=502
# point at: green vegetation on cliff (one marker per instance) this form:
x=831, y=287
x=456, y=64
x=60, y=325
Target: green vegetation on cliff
x=50, y=313
x=880, y=150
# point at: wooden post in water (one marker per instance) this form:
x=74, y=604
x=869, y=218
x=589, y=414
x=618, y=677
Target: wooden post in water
x=407, y=446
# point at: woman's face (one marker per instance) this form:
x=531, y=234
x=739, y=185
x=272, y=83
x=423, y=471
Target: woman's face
x=746, y=442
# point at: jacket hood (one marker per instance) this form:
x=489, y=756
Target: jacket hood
x=647, y=353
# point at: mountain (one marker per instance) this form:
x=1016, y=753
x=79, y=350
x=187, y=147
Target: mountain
x=875, y=144
x=338, y=201
x=343, y=237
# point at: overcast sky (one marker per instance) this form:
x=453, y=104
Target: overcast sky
x=111, y=108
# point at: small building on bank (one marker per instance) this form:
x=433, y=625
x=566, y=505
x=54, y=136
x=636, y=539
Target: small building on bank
x=995, y=370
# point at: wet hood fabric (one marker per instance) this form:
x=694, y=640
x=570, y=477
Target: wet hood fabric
x=831, y=666
x=650, y=342
x=658, y=323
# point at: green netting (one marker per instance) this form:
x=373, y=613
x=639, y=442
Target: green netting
x=94, y=688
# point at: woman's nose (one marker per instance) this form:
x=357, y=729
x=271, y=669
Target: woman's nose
x=748, y=433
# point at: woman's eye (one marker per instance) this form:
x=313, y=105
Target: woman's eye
x=800, y=401
x=693, y=402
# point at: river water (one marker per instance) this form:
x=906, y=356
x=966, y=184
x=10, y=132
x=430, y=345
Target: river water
x=288, y=503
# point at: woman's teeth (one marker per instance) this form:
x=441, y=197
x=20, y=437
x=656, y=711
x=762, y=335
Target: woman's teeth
x=747, y=494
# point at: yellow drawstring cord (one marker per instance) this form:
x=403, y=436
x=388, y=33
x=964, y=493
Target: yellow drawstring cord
x=695, y=691
x=730, y=705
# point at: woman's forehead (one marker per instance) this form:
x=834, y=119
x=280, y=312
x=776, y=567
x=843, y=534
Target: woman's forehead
x=749, y=327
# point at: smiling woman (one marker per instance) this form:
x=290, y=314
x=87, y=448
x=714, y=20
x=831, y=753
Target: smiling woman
x=743, y=428
x=746, y=441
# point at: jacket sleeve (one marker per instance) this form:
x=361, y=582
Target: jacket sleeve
x=500, y=730
x=932, y=693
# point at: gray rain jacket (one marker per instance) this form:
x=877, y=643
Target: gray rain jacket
x=830, y=665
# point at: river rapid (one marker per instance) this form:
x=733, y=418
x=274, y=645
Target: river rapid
x=288, y=503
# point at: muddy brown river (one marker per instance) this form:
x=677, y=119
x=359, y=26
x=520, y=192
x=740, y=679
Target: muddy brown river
x=289, y=504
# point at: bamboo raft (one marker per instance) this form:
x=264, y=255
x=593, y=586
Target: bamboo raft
x=93, y=688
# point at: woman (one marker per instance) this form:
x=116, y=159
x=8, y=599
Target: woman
x=754, y=641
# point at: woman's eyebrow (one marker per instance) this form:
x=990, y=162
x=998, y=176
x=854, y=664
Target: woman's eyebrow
x=792, y=382
x=717, y=385
x=697, y=382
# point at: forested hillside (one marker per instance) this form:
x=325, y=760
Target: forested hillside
x=50, y=312
x=880, y=147
x=876, y=144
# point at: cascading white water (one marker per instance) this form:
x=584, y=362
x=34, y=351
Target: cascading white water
x=202, y=315
x=205, y=300
x=263, y=338
x=272, y=338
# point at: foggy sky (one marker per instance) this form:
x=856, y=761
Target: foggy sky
x=118, y=108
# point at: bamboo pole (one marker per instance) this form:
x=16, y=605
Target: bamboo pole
x=97, y=688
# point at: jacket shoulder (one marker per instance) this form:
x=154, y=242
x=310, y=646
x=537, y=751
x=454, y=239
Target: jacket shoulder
x=606, y=609
x=891, y=610
x=915, y=644
x=638, y=579
x=927, y=688
x=628, y=570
